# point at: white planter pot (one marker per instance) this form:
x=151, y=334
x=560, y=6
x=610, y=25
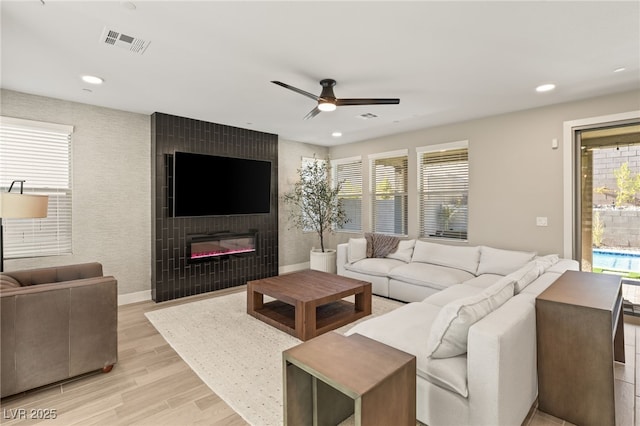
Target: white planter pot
x=325, y=262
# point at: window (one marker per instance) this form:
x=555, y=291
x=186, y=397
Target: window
x=40, y=154
x=349, y=172
x=443, y=190
x=389, y=192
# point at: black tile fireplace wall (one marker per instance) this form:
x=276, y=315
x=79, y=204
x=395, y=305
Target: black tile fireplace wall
x=172, y=275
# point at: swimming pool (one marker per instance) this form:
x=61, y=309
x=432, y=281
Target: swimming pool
x=616, y=260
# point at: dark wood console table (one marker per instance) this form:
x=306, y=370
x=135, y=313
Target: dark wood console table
x=331, y=377
x=580, y=332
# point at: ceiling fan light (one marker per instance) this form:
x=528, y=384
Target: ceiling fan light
x=326, y=106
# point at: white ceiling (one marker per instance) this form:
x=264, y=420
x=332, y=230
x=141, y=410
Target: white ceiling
x=214, y=60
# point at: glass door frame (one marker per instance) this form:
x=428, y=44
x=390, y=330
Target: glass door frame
x=572, y=239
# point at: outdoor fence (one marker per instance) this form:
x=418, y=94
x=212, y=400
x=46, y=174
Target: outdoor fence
x=620, y=227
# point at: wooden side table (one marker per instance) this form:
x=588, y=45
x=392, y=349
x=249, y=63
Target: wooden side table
x=580, y=333
x=331, y=377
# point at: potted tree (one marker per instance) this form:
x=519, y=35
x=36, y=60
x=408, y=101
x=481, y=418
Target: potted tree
x=315, y=206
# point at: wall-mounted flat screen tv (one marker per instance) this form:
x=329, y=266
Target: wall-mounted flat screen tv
x=208, y=185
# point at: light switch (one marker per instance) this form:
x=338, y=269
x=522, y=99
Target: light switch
x=541, y=221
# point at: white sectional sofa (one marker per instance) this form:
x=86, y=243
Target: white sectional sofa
x=473, y=335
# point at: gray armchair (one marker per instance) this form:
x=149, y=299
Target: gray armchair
x=56, y=323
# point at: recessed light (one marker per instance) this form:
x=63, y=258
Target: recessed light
x=92, y=79
x=545, y=87
x=619, y=69
x=336, y=134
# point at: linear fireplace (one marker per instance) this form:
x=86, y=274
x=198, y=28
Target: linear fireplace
x=206, y=247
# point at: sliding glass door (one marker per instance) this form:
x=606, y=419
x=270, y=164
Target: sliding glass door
x=608, y=203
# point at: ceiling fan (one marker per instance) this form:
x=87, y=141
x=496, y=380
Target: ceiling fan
x=327, y=100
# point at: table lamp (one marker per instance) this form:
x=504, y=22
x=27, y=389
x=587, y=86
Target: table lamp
x=20, y=206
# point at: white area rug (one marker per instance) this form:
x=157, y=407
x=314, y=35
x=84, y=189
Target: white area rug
x=236, y=355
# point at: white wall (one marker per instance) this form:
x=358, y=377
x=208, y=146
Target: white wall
x=515, y=175
x=111, y=187
x=293, y=244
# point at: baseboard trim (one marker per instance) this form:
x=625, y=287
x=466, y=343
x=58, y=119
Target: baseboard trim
x=293, y=268
x=139, y=296
x=143, y=296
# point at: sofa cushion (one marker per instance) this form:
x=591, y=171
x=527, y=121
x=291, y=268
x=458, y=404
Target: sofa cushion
x=483, y=281
x=374, y=266
x=356, y=250
x=451, y=294
x=7, y=281
x=429, y=275
x=502, y=262
x=540, y=284
x=404, y=251
x=398, y=327
x=448, y=373
x=449, y=333
x=548, y=262
x=564, y=265
x=532, y=270
x=464, y=258
x=525, y=276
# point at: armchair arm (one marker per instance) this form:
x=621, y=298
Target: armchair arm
x=502, y=364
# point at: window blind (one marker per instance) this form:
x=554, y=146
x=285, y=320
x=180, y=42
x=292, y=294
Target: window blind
x=389, y=194
x=444, y=187
x=40, y=154
x=349, y=172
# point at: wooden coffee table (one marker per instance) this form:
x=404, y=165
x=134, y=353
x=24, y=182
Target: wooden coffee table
x=330, y=378
x=308, y=303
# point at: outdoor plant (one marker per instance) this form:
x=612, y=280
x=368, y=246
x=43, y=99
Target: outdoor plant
x=448, y=211
x=598, y=230
x=314, y=202
x=628, y=185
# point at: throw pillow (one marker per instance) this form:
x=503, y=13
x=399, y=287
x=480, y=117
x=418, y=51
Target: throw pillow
x=546, y=262
x=450, y=330
x=458, y=257
x=525, y=275
x=502, y=262
x=356, y=250
x=404, y=251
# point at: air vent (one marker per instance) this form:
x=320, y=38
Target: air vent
x=367, y=116
x=116, y=38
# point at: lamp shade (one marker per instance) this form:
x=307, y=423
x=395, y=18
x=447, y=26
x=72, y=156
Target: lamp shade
x=23, y=206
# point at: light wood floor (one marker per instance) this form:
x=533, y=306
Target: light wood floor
x=152, y=385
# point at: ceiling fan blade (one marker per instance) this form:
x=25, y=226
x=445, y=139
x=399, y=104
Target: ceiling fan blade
x=312, y=113
x=295, y=89
x=365, y=101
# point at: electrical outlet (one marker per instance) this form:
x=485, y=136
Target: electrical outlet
x=541, y=221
